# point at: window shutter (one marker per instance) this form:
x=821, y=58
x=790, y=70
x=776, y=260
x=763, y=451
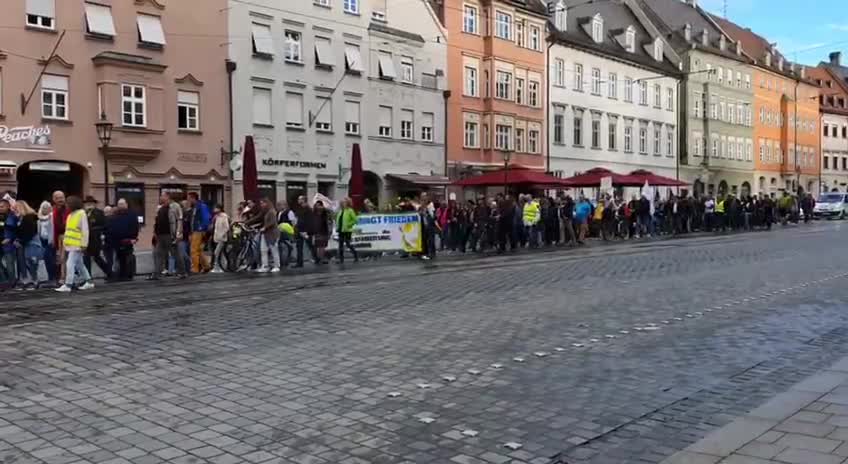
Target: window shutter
x=46, y=8
x=325, y=106
x=262, y=106
x=294, y=109
x=387, y=66
x=323, y=53
x=427, y=120
x=150, y=29
x=352, y=111
x=99, y=19
x=192, y=98
x=262, y=40
x=385, y=116
x=49, y=81
x=353, y=58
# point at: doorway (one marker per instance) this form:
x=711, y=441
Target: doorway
x=39, y=179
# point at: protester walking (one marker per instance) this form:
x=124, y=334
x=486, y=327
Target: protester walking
x=121, y=237
x=220, y=233
x=581, y=215
x=200, y=221
x=28, y=242
x=345, y=223
x=305, y=228
x=266, y=221
x=167, y=230
x=45, y=233
x=96, y=227
x=75, y=242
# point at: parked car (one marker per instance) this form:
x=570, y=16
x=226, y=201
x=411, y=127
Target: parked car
x=832, y=205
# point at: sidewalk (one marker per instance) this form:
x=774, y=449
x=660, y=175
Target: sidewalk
x=806, y=425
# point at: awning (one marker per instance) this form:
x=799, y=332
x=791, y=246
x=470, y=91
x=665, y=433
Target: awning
x=417, y=179
x=512, y=176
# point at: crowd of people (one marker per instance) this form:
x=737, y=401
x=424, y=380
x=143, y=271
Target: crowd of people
x=68, y=235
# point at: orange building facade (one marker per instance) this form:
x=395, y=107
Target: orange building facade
x=786, y=131
x=497, y=84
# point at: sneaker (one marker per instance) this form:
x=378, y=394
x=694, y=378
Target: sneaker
x=216, y=271
x=425, y=258
x=64, y=289
x=87, y=286
x=261, y=270
x=275, y=270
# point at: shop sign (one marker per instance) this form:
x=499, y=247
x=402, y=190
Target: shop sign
x=25, y=137
x=282, y=163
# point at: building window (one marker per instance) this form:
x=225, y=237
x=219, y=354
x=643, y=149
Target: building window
x=657, y=139
x=98, y=20
x=714, y=108
x=294, y=110
x=628, y=137
x=596, y=133
x=598, y=29
x=150, y=32
x=596, y=81
x=293, y=47
x=41, y=13
x=643, y=93
x=262, y=106
x=739, y=79
x=407, y=70
x=519, y=140
x=844, y=164
x=503, y=85
x=628, y=90
x=578, y=77
x=696, y=104
x=559, y=72
x=657, y=96
x=519, y=91
x=578, y=129
x=54, y=96
x=612, y=128
x=519, y=33
x=612, y=85
x=720, y=75
x=487, y=141
x=188, y=110
x=669, y=141
x=731, y=113
x=384, y=128
x=503, y=25
x=669, y=99
x=643, y=140
x=696, y=144
x=351, y=6
x=352, y=118
x=747, y=81
x=715, y=147
x=263, y=44
x=471, y=140
x=386, y=66
x=559, y=128
x=469, y=19
x=658, y=50
x=406, y=124
x=533, y=93
x=324, y=117
x=503, y=135
x=134, y=105
x=533, y=141
x=353, y=59
x=535, y=38
x=427, y=127
x=630, y=39
x=470, y=89
x=324, y=54
x=835, y=131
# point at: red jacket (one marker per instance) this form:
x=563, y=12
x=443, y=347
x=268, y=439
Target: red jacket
x=59, y=224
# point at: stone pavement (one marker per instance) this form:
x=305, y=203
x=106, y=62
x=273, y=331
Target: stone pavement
x=806, y=425
x=605, y=356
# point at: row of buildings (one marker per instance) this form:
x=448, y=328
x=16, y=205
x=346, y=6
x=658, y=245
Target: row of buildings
x=431, y=90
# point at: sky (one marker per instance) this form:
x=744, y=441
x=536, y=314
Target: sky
x=806, y=31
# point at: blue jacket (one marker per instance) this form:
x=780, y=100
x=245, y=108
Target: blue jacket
x=122, y=225
x=202, y=218
x=583, y=210
x=9, y=233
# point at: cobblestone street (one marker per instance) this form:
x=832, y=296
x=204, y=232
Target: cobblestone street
x=627, y=353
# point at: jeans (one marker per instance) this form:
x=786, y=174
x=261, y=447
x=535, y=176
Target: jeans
x=566, y=231
x=345, y=240
x=75, y=264
x=218, y=255
x=199, y=261
x=301, y=240
x=50, y=261
x=32, y=254
x=285, y=242
x=166, y=248
x=267, y=247
x=94, y=253
x=531, y=233
x=124, y=253
x=8, y=267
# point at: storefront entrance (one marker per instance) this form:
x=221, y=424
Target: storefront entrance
x=39, y=179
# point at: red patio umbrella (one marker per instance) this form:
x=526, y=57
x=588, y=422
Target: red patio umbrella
x=249, y=174
x=640, y=176
x=356, y=188
x=511, y=176
x=592, y=178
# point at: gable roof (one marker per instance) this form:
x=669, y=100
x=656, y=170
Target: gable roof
x=617, y=18
x=533, y=6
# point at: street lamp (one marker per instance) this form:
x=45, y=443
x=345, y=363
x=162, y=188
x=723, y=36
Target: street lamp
x=506, y=156
x=104, y=133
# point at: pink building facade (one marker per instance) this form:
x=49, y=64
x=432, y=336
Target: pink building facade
x=156, y=70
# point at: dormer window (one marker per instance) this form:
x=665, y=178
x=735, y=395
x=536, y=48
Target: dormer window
x=598, y=28
x=630, y=39
x=560, y=16
x=687, y=32
x=705, y=38
x=658, y=49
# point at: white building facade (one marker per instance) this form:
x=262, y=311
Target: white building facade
x=834, y=165
x=313, y=78
x=613, y=100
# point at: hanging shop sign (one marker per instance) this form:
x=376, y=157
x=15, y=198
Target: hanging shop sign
x=282, y=163
x=25, y=138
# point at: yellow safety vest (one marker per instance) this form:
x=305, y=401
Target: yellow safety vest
x=720, y=207
x=531, y=213
x=73, y=229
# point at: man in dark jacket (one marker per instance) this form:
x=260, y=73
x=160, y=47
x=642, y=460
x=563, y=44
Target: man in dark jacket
x=96, y=230
x=121, y=235
x=305, y=230
x=201, y=219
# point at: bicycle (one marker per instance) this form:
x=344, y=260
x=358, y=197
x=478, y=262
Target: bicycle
x=241, y=248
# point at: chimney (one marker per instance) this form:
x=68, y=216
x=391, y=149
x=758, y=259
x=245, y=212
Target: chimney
x=836, y=58
x=687, y=32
